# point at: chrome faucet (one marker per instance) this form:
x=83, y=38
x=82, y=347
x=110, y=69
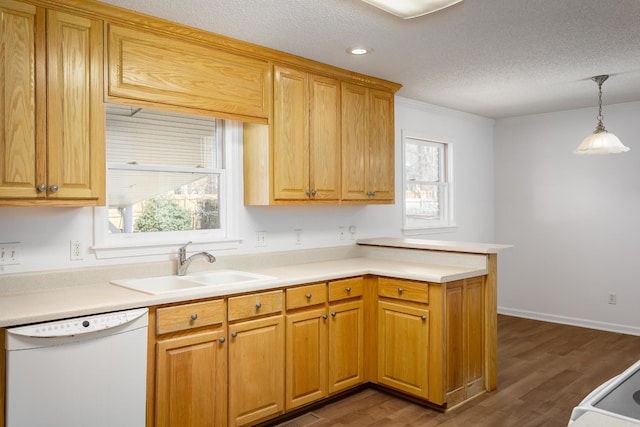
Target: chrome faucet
x=183, y=261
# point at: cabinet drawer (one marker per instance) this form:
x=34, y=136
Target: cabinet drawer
x=255, y=305
x=189, y=316
x=305, y=296
x=403, y=289
x=346, y=288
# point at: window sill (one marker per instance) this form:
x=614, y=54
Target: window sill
x=129, y=249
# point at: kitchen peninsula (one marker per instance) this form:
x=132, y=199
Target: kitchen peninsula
x=440, y=295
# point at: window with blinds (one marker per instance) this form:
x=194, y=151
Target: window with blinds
x=164, y=171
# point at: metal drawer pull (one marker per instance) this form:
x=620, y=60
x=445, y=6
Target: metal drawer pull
x=234, y=334
x=194, y=316
x=333, y=314
x=221, y=340
x=258, y=306
x=308, y=296
x=423, y=317
x=348, y=290
x=400, y=290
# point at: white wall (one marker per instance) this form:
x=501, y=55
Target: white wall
x=573, y=219
x=45, y=232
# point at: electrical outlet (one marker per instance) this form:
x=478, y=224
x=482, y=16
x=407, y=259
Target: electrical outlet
x=75, y=247
x=298, y=236
x=613, y=299
x=10, y=253
x=261, y=238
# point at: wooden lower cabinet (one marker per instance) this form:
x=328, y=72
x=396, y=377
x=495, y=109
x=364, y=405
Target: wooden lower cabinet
x=256, y=370
x=306, y=357
x=191, y=380
x=403, y=347
x=187, y=379
x=346, y=345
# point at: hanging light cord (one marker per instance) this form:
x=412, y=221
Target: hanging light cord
x=599, y=80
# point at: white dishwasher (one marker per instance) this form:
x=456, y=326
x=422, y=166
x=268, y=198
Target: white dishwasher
x=83, y=372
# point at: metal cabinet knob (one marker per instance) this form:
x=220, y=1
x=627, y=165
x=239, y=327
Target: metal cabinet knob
x=53, y=188
x=334, y=314
x=221, y=340
x=400, y=290
x=308, y=192
x=308, y=296
x=194, y=316
x=371, y=193
x=423, y=317
x=41, y=187
x=313, y=193
x=348, y=290
x=258, y=306
x=324, y=317
x=234, y=334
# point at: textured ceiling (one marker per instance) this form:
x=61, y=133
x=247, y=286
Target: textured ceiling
x=494, y=58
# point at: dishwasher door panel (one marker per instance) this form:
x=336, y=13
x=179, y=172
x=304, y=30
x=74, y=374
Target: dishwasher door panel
x=97, y=382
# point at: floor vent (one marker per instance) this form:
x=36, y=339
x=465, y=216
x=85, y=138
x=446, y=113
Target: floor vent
x=302, y=421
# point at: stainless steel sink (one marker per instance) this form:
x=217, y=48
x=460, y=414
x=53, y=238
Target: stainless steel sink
x=166, y=284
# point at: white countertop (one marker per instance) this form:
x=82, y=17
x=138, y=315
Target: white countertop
x=435, y=245
x=39, y=305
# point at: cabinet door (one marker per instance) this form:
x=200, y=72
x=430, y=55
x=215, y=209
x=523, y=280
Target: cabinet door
x=75, y=108
x=355, y=160
x=324, y=134
x=403, y=347
x=166, y=70
x=256, y=370
x=306, y=357
x=346, y=345
x=290, y=135
x=22, y=107
x=191, y=381
x=381, y=145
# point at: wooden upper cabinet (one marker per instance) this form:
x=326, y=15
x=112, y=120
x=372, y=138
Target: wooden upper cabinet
x=22, y=130
x=367, y=144
x=161, y=69
x=306, y=136
x=52, y=111
x=75, y=108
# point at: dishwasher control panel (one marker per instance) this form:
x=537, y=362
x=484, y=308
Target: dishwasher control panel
x=79, y=325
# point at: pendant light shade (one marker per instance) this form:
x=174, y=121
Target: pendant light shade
x=600, y=141
x=407, y=9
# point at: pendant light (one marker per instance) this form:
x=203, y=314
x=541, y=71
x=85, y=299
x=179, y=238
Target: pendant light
x=600, y=141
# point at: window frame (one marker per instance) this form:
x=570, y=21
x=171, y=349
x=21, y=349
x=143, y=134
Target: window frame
x=446, y=222
x=229, y=139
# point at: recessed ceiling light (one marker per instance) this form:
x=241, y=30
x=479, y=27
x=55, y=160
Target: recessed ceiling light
x=408, y=9
x=359, y=50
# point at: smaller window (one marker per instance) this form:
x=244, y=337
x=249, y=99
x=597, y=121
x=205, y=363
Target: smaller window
x=427, y=171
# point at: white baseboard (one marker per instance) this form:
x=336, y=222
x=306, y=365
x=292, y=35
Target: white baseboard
x=585, y=323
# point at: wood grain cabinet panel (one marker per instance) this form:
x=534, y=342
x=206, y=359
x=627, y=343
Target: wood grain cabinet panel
x=367, y=144
x=191, y=380
x=464, y=339
x=403, y=347
x=346, y=344
x=21, y=131
x=52, y=110
x=306, y=356
x=256, y=370
x=167, y=70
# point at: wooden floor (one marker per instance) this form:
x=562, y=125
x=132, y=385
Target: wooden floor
x=544, y=370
